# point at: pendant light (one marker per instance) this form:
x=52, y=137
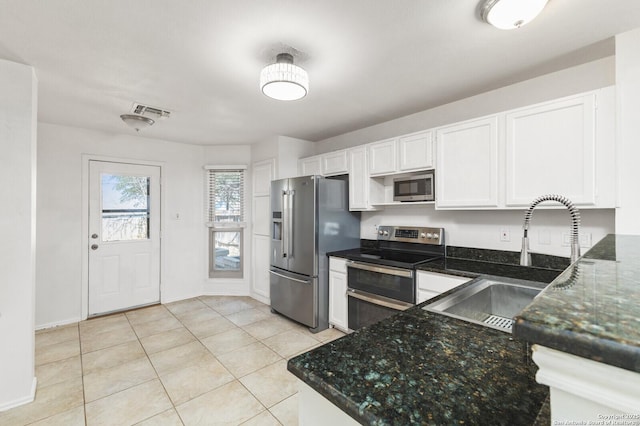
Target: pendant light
x=137, y=121
x=283, y=80
x=511, y=14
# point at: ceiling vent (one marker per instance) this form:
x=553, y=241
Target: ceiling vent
x=149, y=111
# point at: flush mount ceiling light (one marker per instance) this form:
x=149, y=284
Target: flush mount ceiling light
x=510, y=14
x=283, y=80
x=137, y=121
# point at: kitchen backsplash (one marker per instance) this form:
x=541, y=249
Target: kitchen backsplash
x=548, y=233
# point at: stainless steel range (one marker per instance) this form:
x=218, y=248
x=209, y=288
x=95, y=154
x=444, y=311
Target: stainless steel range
x=381, y=281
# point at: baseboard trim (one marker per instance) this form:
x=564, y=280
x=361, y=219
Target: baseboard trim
x=21, y=401
x=58, y=323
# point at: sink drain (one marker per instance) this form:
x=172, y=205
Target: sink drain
x=500, y=322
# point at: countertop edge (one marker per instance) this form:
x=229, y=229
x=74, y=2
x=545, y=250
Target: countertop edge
x=579, y=344
x=330, y=393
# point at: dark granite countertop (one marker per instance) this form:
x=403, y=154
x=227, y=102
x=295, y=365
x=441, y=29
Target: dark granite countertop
x=418, y=367
x=473, y=262
x=592, y=310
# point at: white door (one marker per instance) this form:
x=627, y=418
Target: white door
x=124, y=236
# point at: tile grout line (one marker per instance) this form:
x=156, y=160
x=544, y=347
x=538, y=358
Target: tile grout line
x=290, y=327
x=155, y=370
x=84, y=396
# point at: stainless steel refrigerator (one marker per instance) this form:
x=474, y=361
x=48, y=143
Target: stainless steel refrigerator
x=309, y=217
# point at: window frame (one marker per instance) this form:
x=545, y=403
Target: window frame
x=213, y=227
x=225, y=273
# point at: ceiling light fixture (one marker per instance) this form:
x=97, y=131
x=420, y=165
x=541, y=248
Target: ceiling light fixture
x=510, y=14
x=283, y=80
x=137, y=121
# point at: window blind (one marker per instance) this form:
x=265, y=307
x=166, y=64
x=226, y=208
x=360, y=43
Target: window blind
x=226, y=196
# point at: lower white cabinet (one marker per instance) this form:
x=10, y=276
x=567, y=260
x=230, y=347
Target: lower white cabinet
x=338, y=293
x=431, y=284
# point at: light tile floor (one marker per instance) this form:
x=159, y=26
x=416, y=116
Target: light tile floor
x=203, y=361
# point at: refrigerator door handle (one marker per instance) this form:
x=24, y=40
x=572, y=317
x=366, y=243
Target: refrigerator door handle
x=290, y=216
x=285, y=221
x=290, y=278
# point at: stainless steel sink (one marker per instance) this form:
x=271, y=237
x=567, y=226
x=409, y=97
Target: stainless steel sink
x=492, y=302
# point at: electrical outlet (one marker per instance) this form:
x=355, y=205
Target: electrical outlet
x=585, y=240
x=505, y=235
x=566, y=239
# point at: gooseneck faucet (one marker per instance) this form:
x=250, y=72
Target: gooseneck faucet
x=525, y=256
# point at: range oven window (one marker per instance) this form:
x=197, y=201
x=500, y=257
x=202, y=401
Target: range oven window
x=391, y=286
x=362, y=313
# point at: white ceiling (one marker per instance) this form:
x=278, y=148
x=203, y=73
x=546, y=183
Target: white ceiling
x=368, y=61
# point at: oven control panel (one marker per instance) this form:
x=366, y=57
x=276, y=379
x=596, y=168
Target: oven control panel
x=411, y=234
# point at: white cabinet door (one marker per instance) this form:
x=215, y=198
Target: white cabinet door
x=261, y=215
x=311, y=166
x=359, y=181
x=432, y=284
x=550, y=149
x=415, y=151
x=263, y=172
x=260, y=282
x=382, y=157
x=467, y=164
x=335, y=163
x=338, y=293
x=423, y=295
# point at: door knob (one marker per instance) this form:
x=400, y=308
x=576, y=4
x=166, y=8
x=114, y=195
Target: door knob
x=94, y=247
x=94, y=236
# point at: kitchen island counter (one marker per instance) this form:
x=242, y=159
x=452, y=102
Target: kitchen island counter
x=418, y=367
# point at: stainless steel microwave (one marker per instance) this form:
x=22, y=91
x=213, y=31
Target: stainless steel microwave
x=414, y=188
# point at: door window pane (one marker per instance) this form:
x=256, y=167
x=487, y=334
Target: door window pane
x=125, y=207
x=226, y=253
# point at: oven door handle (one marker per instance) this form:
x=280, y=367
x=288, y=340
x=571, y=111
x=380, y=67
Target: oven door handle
x=380, y=269
x=379, y=300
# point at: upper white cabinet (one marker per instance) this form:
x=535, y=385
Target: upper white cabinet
x=360, y=184
x=311, y=166
x=406, y=153
x=329, y=164
x=263, y=172
x=335, y=163
x=507, y=160
x=382, y=157
x=415, y=151
x=467, y=164
x=550, y=148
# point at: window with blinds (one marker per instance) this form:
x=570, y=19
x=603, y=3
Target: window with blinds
x=226, y=196
x=225, y=217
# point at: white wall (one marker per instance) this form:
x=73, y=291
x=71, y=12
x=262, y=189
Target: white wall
x=59, y=215
x=582, y=78
x=628, y=131
x=481, y=229
x=18, y=110
x=285, y=150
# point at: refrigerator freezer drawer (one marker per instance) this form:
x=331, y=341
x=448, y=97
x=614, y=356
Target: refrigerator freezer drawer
x=294, y=296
